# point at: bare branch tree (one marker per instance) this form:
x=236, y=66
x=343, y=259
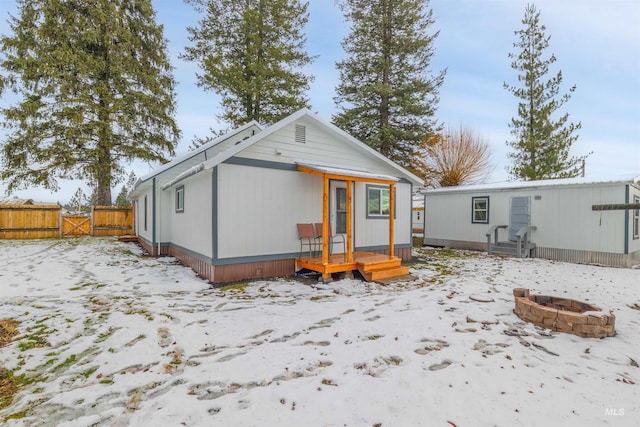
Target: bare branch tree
x=457, y=157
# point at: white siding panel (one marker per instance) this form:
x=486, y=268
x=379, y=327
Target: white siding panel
x=320, y=146
x=190, y=229
x=563, y=216
x=140, y=215
x=259, y=209
x=375, y=231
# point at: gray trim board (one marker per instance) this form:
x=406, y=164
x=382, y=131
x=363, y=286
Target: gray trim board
x=214, y=213
x=382, y=247
x=626, y=220
x=153, y=212
x=241, y=161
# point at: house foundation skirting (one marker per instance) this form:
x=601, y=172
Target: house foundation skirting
x=589, y=257
x=567, y=255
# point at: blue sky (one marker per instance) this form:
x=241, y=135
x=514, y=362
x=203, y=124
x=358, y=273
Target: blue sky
x=596, y=43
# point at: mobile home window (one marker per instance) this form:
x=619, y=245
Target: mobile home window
x=636, y=219
x=480, y=210
x=180, y=199
x=377, y=202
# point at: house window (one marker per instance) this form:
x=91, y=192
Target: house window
x=341, y=210
x=636, y=219
x=145, y=213
x=377, y=202
x=480, y=210
x=180, y=199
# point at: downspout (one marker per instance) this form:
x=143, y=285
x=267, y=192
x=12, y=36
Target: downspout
x=159, y=199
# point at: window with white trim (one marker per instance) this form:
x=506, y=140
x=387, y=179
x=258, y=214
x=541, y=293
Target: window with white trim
x=636, y=219
x=180, y=199
x=480, y=210
x=378, y=202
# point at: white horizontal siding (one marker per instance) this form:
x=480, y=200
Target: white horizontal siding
x=140, y=215
x=258, y=209
x=563, y=216
x=375, y=231
x=320, y=146
x=192, y=228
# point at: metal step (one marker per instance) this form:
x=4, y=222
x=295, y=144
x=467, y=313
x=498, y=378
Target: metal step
x=510, y=248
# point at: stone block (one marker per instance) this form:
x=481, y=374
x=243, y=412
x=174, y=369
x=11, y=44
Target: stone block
x=541, y=311
x=593, y=331
x=521, y=293
x=564, y=327
x=574, y=318
x=597, y=320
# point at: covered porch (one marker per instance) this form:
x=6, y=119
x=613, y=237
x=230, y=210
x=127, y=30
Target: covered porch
x=372, y=266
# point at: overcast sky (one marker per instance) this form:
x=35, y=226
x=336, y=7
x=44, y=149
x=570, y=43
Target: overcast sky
x=596, y=43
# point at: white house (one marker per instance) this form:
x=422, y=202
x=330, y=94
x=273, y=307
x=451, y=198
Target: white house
x=560, y=219
x=418, y=214
x=230, y=209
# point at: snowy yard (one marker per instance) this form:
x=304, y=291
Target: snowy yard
x=109, y=337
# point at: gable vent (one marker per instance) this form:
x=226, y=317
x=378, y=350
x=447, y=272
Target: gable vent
x=301, y=134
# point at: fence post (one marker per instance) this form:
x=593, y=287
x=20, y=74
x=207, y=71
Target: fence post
x=60, y=222
x=91, y=223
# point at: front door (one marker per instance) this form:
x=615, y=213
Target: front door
x=520, y=216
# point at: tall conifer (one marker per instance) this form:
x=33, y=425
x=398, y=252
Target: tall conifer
x=387, y=97
x=95, y=90
x=252, y=53
x=542, y=142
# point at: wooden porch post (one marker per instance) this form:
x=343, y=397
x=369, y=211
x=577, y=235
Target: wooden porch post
x=325, y=222
x=349, y=245
x=391, y=219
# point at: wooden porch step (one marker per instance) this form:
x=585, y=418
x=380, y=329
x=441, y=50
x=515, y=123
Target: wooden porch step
x=384, y=273
x=128, y=238
x=365, y=265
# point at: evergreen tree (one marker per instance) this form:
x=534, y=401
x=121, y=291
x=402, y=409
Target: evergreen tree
x=95, y=89
x=541, y=143
x=121, y=199
x=251, y=53
x=79, y=202
x=386, y=97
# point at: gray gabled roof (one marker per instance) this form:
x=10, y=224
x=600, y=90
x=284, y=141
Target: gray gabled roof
x=190, y=159
x=219, y=157
x=306, y=113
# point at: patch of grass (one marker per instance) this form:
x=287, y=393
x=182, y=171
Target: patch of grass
x=319, y=297
x=8, y=387
x=16, y=416
x=68, y=362
x=33, y=341
x=374, y=337
x=89, y=372
x=10, y=384
x=234, y=287
x=106, y=381
x=140, y=311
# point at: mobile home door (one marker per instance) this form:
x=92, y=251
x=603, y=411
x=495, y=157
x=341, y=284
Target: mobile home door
x=519, y=217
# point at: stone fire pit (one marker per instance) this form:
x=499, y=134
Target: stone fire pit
x=564, y=315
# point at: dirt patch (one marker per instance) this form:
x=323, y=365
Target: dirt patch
x=8, y=386
x=8, y=329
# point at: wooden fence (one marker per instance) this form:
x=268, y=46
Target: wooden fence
x=46, y=221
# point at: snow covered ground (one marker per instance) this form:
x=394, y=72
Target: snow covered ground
x=110, y=337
